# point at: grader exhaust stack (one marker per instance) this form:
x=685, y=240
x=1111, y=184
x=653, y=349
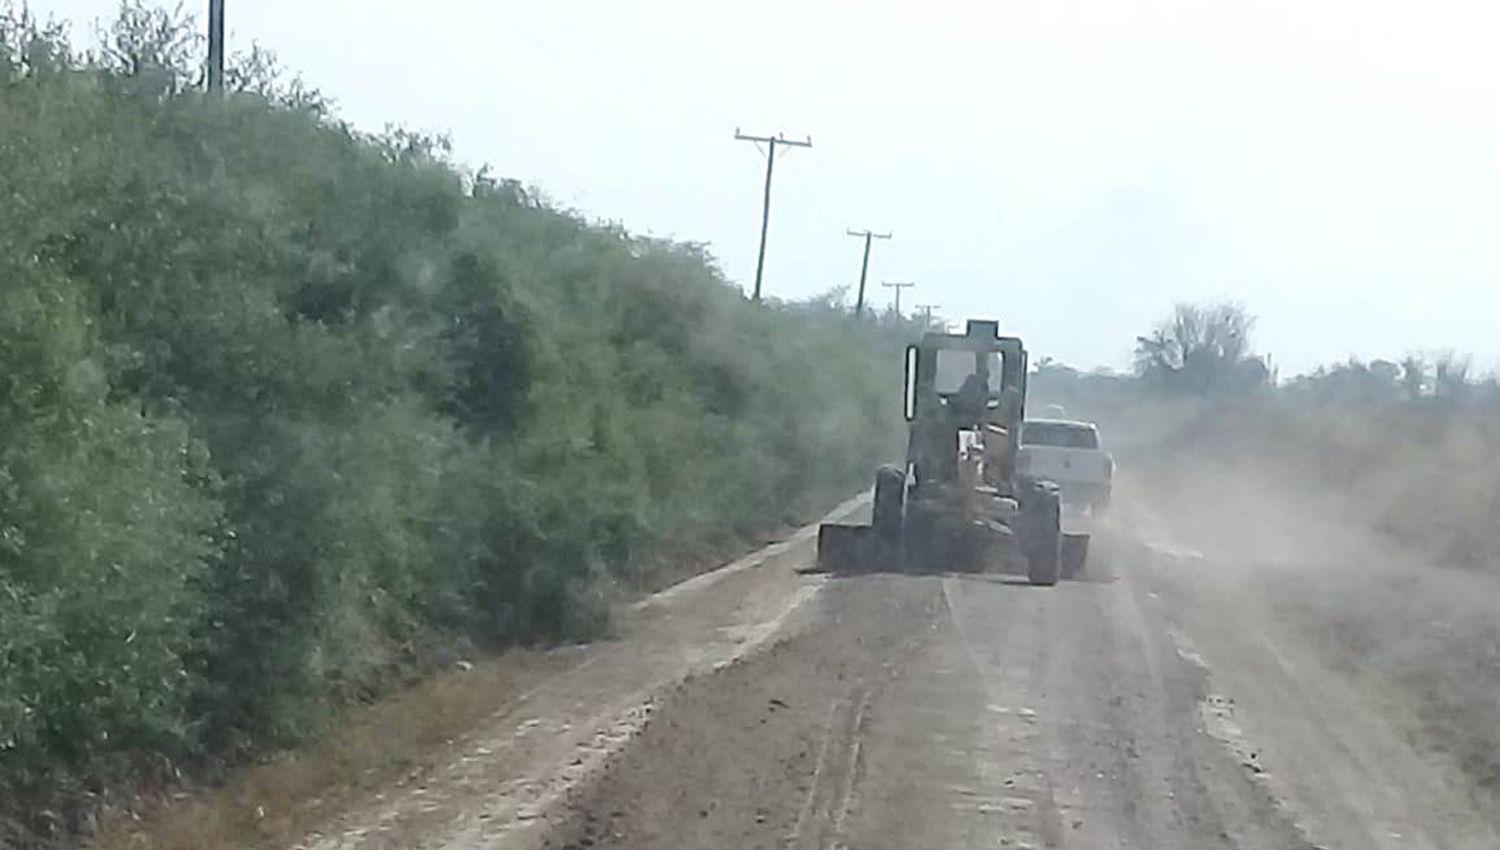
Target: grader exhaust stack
x=958, y=502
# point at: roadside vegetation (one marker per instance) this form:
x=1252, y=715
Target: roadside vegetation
x=291, y=413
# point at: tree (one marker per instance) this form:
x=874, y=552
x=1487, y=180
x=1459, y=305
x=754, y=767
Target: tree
x=1413, y=376
x=1450, y=379
x=1351, y=381
x=1201, y=350
x=1385, y=372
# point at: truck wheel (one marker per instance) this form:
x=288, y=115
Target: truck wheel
x=1100, y=505
x=1075, y=553
x=1044, y=549
x=890, y=498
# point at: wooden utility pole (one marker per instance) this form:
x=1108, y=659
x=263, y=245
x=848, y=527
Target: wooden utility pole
x=898, y=286
x=765, y=215
x=216, y=46
x=927, y=311
x=864, y=266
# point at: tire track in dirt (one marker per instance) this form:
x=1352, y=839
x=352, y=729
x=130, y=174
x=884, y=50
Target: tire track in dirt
x=1012, y=687
x=769, y=750
x=834, y=775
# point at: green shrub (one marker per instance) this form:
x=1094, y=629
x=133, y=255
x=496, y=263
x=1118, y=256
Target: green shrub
x=289, y=413
x=106, y=533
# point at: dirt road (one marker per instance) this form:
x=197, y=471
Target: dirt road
x=1155, y=704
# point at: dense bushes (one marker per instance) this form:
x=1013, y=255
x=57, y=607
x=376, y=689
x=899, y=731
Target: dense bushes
x=106, y=527
x=287, y=411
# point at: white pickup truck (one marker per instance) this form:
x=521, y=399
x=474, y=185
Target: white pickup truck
x=1067, y=452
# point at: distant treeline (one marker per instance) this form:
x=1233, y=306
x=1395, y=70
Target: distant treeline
x=1203, y=353
x=289, y=413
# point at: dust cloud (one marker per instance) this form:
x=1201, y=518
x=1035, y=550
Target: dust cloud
x=1368, y=530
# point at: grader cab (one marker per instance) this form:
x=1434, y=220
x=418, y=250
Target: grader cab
x=958, y=503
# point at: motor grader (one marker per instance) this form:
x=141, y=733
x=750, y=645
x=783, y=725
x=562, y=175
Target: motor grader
x=959, y=503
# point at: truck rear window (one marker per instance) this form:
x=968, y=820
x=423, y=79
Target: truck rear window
x=1059, y=434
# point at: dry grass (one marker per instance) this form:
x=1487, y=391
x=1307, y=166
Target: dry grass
x=277, y=803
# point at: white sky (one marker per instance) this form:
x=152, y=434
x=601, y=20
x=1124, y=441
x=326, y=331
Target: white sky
x=1069, y=167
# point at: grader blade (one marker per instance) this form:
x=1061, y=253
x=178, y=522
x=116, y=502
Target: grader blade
x=844, y=549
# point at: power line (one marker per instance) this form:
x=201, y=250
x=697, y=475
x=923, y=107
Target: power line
x=825, y=184
x=818, y=203
x=616, y=84
x=898, y=286
x=765, y=215
x=864, y=266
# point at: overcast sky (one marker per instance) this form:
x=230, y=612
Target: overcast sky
x=1071, y=168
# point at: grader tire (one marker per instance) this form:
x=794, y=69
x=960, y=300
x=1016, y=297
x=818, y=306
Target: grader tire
x=1044, y=549
x=887, y=513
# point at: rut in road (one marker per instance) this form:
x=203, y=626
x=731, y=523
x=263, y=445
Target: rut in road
x=835, y=773
x=770, y=750
x=940, y=712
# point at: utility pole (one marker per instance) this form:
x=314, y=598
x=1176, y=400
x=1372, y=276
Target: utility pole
x=898, y=286
x=859, y=305
x=927, y=311
x=765, y=215
x=216, y=46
